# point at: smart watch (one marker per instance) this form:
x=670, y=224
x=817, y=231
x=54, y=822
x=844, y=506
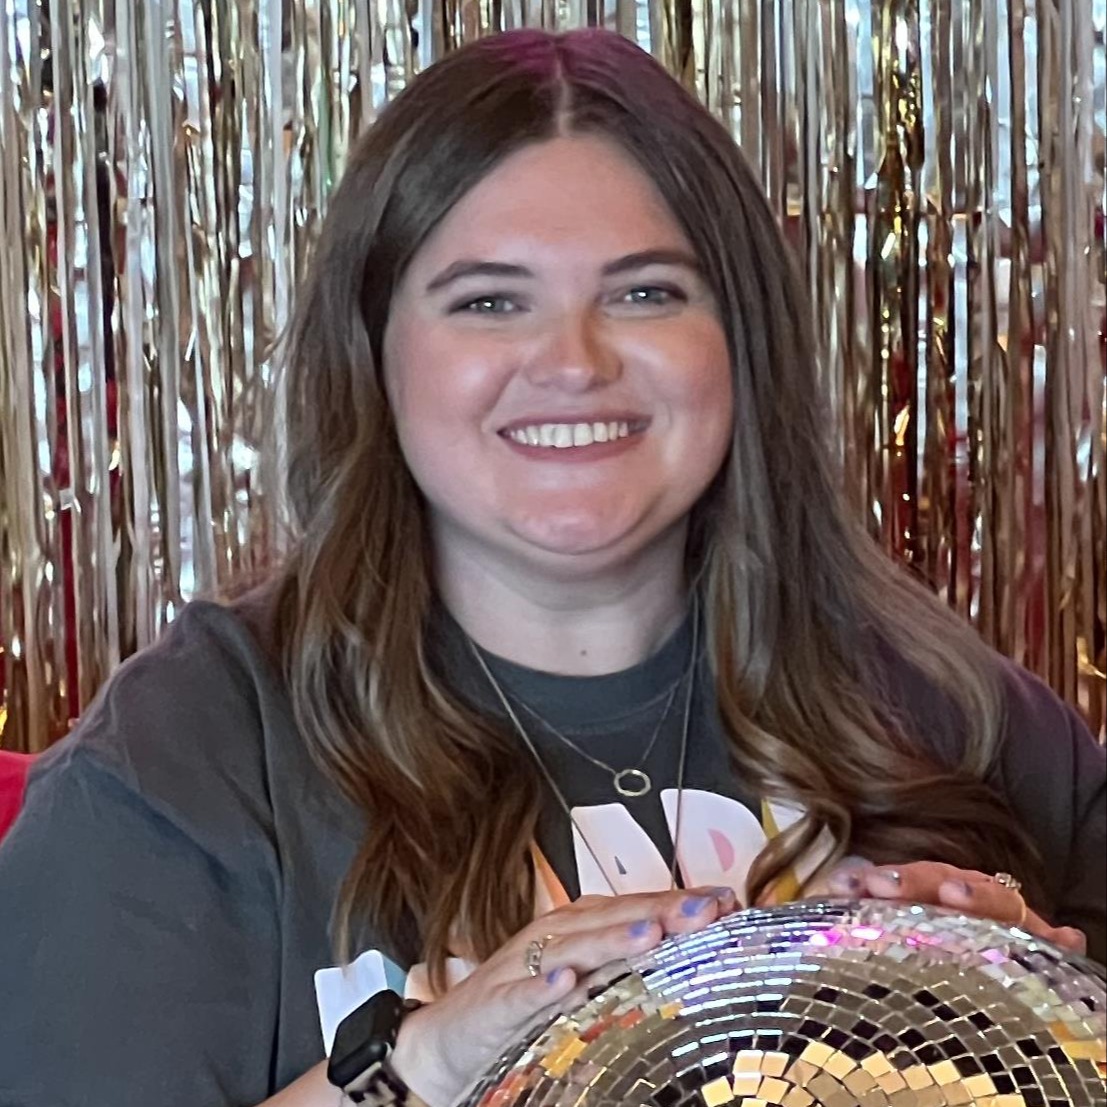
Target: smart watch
x=362, y=1046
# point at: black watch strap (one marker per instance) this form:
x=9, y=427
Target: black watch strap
x=362, y=1046
x=380, y=1087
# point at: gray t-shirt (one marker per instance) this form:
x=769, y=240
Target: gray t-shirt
x=166, y=894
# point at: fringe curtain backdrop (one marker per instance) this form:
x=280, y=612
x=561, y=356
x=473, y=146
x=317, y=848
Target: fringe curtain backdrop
x=164, y=165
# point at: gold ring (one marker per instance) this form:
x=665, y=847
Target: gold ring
x=1012, y=884
x=1022, y=915
x=533, y=958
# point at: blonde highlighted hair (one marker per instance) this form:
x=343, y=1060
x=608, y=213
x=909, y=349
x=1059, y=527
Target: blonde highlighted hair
x=801, y=606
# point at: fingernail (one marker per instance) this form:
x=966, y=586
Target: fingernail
x=695, y=904
x=855, y=862
x=848, y=881
x=641, y=927
x=724, y=895
x=962, y=888
x=554, y=976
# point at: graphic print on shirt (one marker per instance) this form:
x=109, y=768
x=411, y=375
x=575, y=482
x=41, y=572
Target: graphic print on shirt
x=718, y=840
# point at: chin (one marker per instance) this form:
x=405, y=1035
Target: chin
x=595, y=541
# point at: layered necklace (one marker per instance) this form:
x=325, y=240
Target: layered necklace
x=632, y=782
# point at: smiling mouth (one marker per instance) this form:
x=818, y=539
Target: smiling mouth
x=565, y=436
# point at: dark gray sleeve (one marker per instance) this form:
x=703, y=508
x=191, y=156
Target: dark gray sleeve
x=138, y=947
x=1055, y=777
x=1052, y=773
x=1083, y=898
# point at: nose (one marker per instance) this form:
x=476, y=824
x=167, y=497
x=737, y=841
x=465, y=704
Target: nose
x=575, y=354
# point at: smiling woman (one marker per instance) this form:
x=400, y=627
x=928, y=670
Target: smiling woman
x=577, y=644
x=497, y=372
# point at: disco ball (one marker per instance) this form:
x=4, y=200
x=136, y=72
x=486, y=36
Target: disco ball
x=833, y=1004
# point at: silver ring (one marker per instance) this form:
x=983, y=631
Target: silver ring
x=533, y=958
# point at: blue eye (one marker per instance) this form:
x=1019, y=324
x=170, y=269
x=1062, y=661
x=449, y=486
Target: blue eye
x=486, y=305
x=654, y=294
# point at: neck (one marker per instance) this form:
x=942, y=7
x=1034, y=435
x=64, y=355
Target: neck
x=604, y=623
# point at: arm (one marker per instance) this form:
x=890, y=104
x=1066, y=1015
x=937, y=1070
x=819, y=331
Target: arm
x=135, y=967
x=1082, y=901
x=140, y=891
x=1055, y=776
x=444, y=1046
x=311, y=1090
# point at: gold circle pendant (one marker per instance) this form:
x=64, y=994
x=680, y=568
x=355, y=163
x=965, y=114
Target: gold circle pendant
x=632, y=783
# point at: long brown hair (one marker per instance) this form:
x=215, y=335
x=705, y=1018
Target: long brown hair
x=798, y=598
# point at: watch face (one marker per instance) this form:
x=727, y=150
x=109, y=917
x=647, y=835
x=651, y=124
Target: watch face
x=365, y=1037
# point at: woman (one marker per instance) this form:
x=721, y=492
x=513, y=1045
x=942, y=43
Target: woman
x=572, y=580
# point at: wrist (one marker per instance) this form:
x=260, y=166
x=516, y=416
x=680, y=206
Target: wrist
x=414, y=1065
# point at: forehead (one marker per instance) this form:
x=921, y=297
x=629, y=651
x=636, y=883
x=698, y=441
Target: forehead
x=578, y=196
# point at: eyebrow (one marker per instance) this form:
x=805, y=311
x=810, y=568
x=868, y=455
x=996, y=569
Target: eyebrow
x=467, y=267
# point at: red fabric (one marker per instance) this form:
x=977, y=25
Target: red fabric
x=13, y=780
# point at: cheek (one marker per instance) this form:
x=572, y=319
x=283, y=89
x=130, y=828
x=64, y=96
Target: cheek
x=436, y=377
x=440, y=390
x=408, y=372
x=427, y=384
x=704, y=392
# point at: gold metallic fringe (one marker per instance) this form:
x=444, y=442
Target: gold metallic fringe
x=164, y=165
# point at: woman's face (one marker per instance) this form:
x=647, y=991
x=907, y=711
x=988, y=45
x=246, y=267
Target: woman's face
x=556, y=365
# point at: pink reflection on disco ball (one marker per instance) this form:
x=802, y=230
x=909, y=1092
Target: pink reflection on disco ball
x=868, y=933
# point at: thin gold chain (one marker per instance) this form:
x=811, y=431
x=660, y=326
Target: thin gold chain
x=559, y=795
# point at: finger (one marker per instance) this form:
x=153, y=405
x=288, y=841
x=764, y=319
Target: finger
x=591, y=912
x=608, y=928
x=990, y=900
x=669, y=904
x=696, y=909
x=584, y=951
x=846, y=878
x=587, y=950
x=915, y=882
x=994, y=901
x=1068, y=938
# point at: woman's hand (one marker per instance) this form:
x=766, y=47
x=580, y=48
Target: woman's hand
x=946, y=886
x=443, y=1047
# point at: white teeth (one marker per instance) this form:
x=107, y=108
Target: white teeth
x=563, y=436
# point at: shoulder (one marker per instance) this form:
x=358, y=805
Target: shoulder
x=1047, y=764
x=1035, y=720
x=182, y=728
x=1047, y=746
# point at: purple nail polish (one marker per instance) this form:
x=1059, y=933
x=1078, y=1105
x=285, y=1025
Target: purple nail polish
x=694, y=905
x=964, y=888
x=554, y=976
x=855, y=862
x=639, y=928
